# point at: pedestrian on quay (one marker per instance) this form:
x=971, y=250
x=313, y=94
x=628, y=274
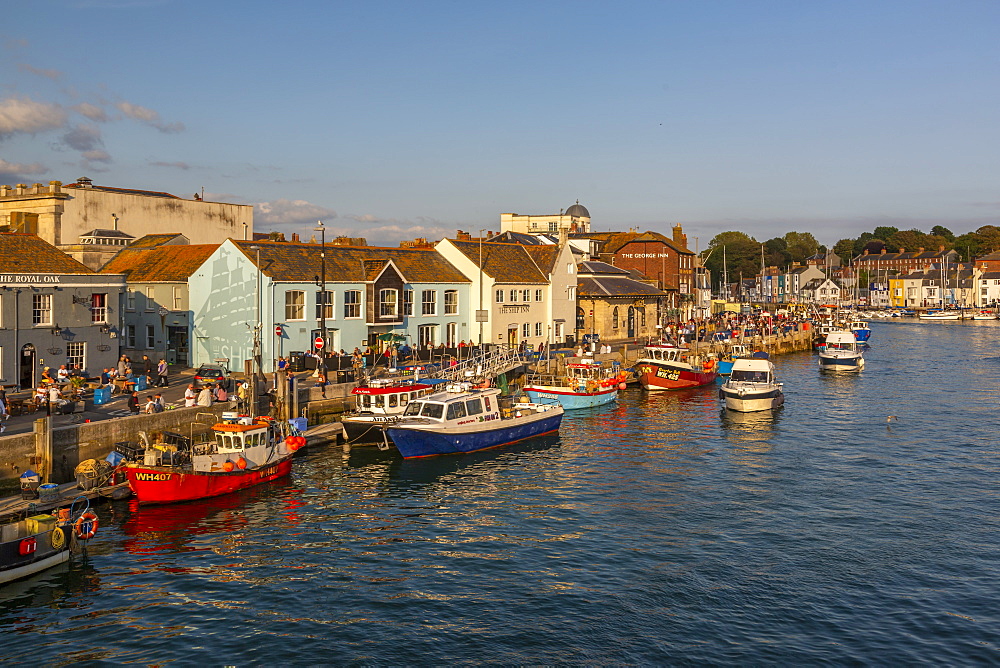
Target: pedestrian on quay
x=150, y=406
x=158, y=404
x=190, y=396
x=133, y=402
x=147, y=369
x=161, y=374
x=220, y=394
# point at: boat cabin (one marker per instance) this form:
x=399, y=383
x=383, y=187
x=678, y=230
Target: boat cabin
x=665, y=353
x=458, y=402
x=236, y=437
x=752, y=371
x=840, y=340
x=383, y=397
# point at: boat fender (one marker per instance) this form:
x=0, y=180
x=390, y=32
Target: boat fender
x=57, y=538
x=241, y=463
x=228, y=466
x=621, y=386
x=86, y=526
x=27, y=546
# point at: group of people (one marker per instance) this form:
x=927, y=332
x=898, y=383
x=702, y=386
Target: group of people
x=155, y=374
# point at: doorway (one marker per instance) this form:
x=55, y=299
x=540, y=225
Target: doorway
x=26, y=375
x=631, y=322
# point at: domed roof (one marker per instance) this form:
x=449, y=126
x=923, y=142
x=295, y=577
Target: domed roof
x=578, y=210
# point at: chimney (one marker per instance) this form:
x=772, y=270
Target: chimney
x=921, y=249
x=295, y=237
x=84, y=182
x=679, y=236
x=55, y=187
x=902, y=250
x=463, y=236
x=563, y=236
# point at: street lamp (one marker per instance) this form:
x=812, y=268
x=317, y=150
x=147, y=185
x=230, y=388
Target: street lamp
x=322, y=291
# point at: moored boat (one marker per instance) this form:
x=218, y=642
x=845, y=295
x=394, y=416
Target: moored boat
x=379, y=402
x=244, y=452
x=860, y=330
x=40, y=542
x=464, y=419
x=667, y=367
x=751, y=386
x=935, y=314
x=841, y=353
x=586, y=384
x=737, y=351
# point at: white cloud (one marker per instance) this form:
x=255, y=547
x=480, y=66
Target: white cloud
x=91, y=111
x=15, y=170
x=96, y=155
x=22, y=115
x=149, y=117
x=83, y=138
x=289, y=214
x=48, y=74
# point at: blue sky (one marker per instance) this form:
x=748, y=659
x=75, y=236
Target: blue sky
x=393, y=120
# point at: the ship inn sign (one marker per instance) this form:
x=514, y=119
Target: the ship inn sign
x=29, y=279
x=515, y=308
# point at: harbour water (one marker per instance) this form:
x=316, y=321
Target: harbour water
x=656, y=530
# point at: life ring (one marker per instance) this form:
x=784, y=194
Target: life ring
x=57, y=538
x=86, y=526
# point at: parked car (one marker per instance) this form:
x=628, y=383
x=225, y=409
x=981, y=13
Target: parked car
x=212, y=374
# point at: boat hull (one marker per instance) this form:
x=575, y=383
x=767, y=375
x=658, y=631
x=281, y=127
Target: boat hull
x=751, y=402
x=657, y=376
x=419, y=441
x=160, y=484
x=841, y=363
x=360, y=431
x=570, y=399
x=862, y=334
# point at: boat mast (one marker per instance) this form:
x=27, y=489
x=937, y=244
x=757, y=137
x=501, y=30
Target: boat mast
x=725, y=276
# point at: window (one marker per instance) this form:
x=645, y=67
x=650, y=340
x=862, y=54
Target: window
x=41, y=309
x=387, y=303
x=76, y=353
x=571, y=292
x=513, y=295
x=525, y=330
x=407, y=302
x=98, y=308
x=150, y=337
x=428, y=302
x=558, y=331
x=178, y=298
x=474, y=406
x=614, y=318
x=324, y=305
x=130, y=336
x=642, y=317
x=150, y=301
x=525, y=295
x=426, y=335
x=538, y=329
x=295, y=305
x=352, y=304
x=451, y=302
x=499, y=296
x=569, y=267
x=130, y=300
x=538, y=295
x=456, y=410
x=450, y=336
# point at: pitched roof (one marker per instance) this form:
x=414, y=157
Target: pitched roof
x=618, y=240
x=544, y=256
x=127, y=191
x=509, y=263
x=22, y=253
x=153, y=240
x=615, y=286
x=595, y=267
x=161, y=264
x=297, y=263
x=118, y=234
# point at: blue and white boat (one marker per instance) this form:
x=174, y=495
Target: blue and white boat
x=751, y=386
x=465, y=419
x=737, y=351
x=841, y=353
x=860, y=330
x=587, y=384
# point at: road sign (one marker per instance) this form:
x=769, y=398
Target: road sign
x=277, y=330
x=318, y=343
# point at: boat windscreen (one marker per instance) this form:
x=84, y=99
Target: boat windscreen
x=432, y=410
x=413, y=408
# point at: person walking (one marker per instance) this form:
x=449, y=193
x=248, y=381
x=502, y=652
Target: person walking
x=147, y=370
x=133, y=402
x=161, y=374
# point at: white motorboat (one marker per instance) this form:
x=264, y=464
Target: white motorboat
x=940, y=315
x=841, y=353
x=751, y=386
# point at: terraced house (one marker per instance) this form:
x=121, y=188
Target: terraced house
x=414, y=294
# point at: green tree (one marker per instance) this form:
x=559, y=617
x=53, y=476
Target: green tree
x=861, y=242
x=941, y=231
x=775, y=252
x=884, y=232
x=844, y=249
x=800, y=245
x=741, y=253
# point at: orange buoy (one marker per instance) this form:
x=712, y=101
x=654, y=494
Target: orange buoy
x=241, y=463
x=621, y=386
x=86, y=526
x=228, y=466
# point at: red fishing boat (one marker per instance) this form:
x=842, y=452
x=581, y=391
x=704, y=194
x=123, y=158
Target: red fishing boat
x=664, y=366
x=244, y=451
